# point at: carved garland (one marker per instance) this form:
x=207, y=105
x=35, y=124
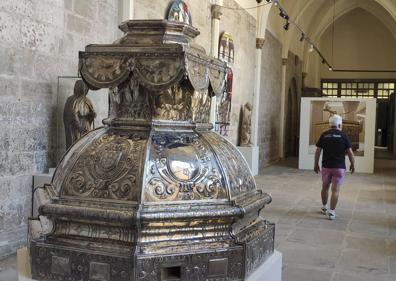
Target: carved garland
x=154, y=71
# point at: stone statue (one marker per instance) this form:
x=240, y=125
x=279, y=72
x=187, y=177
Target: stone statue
x=246, y=125
x=78, y=114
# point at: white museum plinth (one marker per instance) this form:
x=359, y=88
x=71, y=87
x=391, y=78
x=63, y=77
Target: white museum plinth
x=251, y=155
x=271, y=270
x=363, y=164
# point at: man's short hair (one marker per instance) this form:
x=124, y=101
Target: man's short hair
x=335, y=120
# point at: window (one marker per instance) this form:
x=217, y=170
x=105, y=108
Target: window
x=358, y=88
x=385, y=89
x=330, y=89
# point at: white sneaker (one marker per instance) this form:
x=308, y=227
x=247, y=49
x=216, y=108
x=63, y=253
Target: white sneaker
x=331, y=215
x=323, y=210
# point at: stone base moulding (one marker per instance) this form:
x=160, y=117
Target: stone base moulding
x=270, y=270
x=39, y=180
x=251, y=155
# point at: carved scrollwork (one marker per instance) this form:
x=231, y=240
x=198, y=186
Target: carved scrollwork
x=238, y=174
x=158, y=73
x=182, y=168
x=108, y=169
x=104, y=71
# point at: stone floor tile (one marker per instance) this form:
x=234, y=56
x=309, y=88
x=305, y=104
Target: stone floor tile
x=361, y=261
x=9, y=274
x=318, y=221
x=297, y=254
x=291, y=273
x=357, y=277
x=374, y=228
x=319, y=238
x=368, y=244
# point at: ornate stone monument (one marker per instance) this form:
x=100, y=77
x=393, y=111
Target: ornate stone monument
x=154, y=194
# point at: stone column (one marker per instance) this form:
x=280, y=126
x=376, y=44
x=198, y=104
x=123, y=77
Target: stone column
x=216, y=14
x=127, y=11
x=257, y=88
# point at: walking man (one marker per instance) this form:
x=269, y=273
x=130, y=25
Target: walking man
x=335, y=144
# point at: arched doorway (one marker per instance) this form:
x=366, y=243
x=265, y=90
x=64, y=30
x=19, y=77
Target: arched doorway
x=292, y=121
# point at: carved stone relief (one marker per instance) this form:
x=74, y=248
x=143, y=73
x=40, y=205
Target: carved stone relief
x=129, y=100
x=68, y=265
x=201, y=106
x=109, y=168
x=173, y=104
x=246, y=125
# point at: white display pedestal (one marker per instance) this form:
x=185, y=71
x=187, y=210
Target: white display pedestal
x=251, y=155
x=271, y=270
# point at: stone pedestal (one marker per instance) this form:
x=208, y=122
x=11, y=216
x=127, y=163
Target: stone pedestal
x=251, y=155
x=271, y=270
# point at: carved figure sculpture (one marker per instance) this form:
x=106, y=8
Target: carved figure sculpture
x=78, y=114
x=246, y=125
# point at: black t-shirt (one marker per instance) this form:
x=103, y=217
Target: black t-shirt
x=334, y=144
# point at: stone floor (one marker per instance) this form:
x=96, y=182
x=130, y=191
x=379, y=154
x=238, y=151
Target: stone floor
x=360, y=245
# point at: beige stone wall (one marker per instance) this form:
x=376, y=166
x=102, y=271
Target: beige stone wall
x=39, y=40
x=270, y=101
x=242, y=26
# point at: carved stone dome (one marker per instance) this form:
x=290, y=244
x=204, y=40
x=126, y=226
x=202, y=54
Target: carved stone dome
x=153, y=193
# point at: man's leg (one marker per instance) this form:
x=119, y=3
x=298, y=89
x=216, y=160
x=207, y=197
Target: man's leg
x=326, y=181
x=335, y=190
x=325, y=193
x=337, y=181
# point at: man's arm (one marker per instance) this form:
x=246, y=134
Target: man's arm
x=317, y=156
x=351, y=159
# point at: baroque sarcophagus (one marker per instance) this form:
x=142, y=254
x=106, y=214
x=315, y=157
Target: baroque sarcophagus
x=154, y=194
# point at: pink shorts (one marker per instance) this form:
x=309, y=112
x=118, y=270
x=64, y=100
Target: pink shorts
x=333, y=175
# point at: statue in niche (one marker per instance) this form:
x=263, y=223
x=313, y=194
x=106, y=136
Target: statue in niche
x=200, y=105
x=173, y=104
x=246, y=125
x=129, y=100
x=78, y=114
